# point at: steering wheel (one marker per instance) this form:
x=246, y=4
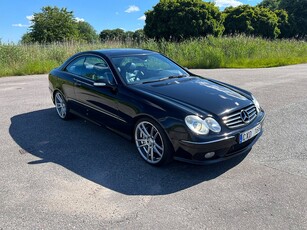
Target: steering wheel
x=133, y=73
x=139, y=74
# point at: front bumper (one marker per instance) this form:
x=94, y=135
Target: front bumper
x=224, y=147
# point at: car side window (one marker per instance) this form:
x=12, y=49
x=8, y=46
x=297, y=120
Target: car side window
x=76, y=66
x=91, y=67
x=98, y=69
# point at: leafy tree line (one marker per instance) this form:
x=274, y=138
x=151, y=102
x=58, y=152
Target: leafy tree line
x=178, y=20
x=255, y=21
x=58, y=25
x=121, y=35
x=181, y=19
x=296, y=12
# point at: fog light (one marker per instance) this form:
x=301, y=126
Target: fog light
x=209, y=155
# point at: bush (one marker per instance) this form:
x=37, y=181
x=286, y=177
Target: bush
x=181, y=19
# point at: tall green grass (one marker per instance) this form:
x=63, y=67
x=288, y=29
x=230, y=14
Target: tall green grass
x=209, y=52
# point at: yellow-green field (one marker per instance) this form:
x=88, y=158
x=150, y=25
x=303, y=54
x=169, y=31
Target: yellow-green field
x=210, y=52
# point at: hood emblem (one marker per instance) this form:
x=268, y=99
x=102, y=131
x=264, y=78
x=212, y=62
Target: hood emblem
x=244, y=116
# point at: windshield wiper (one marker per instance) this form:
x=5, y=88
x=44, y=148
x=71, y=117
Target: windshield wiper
x=165, y=78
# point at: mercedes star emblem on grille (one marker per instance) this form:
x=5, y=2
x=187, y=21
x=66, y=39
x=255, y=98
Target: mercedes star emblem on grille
x=244, y=116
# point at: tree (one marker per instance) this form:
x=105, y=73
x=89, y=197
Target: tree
x=121, y=35
x=297, y=11
x=139, y=36
x=105, y=35
x=181, y=19
x=53, y=25
x=86, y=32
x=58, y=25
x=271, y=4
x=255, y=21
x=295, y=24
x=128, y=36
x=26, y=38
x=283, y=23
x=116, y=34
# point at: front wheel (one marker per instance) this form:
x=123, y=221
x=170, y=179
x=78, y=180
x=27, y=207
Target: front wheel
x=152, y=142
x=61, y=106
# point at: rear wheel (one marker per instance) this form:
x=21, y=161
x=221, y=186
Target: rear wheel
x=152, y=142
x=61, y=106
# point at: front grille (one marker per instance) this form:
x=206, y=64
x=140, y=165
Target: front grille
x=235, y=120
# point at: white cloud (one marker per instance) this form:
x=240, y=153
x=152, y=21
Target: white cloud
x=132, y=9
x=226, y=3
x=20, y=25
x=142, y=18
x=79, y=19
x=30, y=17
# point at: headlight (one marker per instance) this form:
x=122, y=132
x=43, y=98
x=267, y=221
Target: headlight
x=213, y=125
x=196, y=124
x=256, y=103
x=200, y=126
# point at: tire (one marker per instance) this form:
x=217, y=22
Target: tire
x=152, y=143
x=61, y=106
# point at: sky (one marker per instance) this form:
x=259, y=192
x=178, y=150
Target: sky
x=101, y=14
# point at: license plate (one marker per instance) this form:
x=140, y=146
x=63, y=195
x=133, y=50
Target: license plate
x=249, y=134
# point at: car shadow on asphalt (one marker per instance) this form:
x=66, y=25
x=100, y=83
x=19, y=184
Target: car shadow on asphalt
x=103, y=157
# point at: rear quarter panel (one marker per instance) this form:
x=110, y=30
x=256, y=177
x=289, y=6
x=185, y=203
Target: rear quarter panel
x=63, y=82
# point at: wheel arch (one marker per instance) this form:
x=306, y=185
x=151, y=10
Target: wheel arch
x=54, y=92
x=144, y=116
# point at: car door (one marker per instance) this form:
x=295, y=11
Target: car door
x=97, y=103
x=68, y=85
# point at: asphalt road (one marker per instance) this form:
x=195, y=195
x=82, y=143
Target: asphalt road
x=65, y=175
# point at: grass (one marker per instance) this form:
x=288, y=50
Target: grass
x=209, y=52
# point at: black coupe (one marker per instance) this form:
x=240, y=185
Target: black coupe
x=168, y=112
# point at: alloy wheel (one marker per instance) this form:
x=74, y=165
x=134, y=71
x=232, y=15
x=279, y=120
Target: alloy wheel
x=60, y=105
x=149, y=142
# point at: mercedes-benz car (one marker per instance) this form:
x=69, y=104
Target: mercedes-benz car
x=166, y=110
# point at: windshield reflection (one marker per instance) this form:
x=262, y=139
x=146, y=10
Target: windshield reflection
x=136, y=69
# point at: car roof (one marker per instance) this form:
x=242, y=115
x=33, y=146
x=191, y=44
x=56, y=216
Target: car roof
x=123, y=52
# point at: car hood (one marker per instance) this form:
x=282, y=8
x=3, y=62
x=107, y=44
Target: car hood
x=198, y=94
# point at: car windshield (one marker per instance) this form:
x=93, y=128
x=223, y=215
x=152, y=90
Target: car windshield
x=137, y=69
